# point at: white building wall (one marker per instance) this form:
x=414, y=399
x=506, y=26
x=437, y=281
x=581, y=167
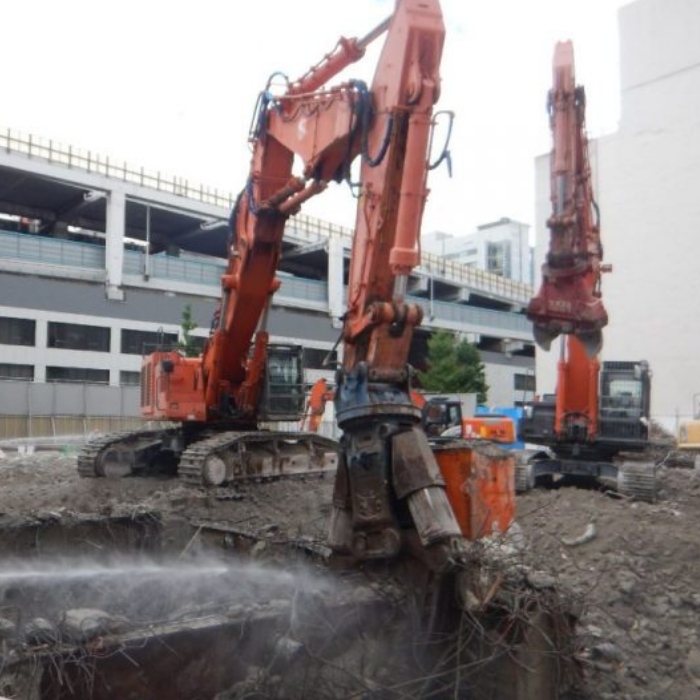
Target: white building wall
x=500, y=378
x=647, y=185
x=41, y=356
x=473, y=249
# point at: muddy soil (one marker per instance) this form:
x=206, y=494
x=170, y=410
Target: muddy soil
x=46, y=485
x=638, y=576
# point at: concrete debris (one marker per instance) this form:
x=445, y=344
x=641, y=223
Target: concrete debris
x=8, y=629
x=258, y=549
x=81, y=624
x=627, y=582
x=638, y=581
x=692, y=665
x=589, y=534
x=40, y=631
x=540, y=580
x=635, y=580
x=607, y=651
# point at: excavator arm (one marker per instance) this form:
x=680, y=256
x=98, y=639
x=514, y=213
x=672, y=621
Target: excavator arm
x=389, y=486
x=320, y=125
x=569, y=300
x=389, y=491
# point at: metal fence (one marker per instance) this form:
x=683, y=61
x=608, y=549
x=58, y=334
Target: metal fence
x=314, y=230
x=43, y=410
x=51, y=251
x=13, y=141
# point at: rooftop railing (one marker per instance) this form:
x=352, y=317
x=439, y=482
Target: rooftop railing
x=315, y=230
x=13, y=141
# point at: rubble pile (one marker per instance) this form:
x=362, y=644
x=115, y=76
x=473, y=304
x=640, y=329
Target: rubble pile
x=636, y=569
x=629, y=571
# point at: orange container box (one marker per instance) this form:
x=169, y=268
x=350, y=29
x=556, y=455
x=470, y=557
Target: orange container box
x=480, y=485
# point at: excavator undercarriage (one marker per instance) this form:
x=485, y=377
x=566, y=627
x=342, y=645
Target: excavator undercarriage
x=214, y=458
x=215, y=454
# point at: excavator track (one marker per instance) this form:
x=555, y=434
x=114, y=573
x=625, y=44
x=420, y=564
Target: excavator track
x=87, y=458
x=91, y=457
x=523, y=476
x=238, y=456
x=215, y=458
x=637, y=481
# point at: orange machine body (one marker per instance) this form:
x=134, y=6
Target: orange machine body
x=171, y=387
x=326, y=128
x=499, y=429
x=569, y=301
x=577, y=396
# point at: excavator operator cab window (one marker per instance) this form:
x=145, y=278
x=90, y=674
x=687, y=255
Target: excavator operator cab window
x=284, y=386
x=624, y=401
x=454, y=414
x=623, y=395
x=439, y=415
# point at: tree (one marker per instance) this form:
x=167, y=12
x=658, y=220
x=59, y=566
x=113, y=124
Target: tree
x=187, y=325
x=453, y=367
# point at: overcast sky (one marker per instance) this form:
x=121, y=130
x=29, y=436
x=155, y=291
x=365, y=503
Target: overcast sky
x=171, y=85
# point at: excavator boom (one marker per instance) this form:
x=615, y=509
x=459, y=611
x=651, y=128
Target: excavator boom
x=595, y=414
x=389, y=483
x=569, y=300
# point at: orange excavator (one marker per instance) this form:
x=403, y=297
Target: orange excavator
x=595, y=415
x=389, y=490
x=390, y=493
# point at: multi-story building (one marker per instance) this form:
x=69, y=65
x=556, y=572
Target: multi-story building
x=99, y=260
x=501, y=247
x=645, y=180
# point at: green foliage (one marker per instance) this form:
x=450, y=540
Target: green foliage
x=187, y=325
x=454, y=367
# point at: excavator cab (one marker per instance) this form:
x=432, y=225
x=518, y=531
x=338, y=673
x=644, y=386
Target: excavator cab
x=625, y=392
x=283, y=391
x=440, y=414
x=623, y=414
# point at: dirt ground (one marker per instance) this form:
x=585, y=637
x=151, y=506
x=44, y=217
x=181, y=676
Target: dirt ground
x=639, y=579
x=637, y=575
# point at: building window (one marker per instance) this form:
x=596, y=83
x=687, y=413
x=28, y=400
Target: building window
x=524, y=382
x=23, y=372
x=498, y=258
x=314, y=358
x=17, y=331
x=129, y=378
x=144, y=342
x=77, y=374
x=76, y=336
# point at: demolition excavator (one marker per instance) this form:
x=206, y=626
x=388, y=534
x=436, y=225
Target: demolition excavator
x=596, y=415
x=387, y=480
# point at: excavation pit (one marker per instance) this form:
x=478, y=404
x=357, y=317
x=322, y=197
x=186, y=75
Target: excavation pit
x=145, y=589
x=96, y=607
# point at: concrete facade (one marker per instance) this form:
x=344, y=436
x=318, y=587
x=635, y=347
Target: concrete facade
x=645, y=179
x=119, y=250
x=501, y=247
